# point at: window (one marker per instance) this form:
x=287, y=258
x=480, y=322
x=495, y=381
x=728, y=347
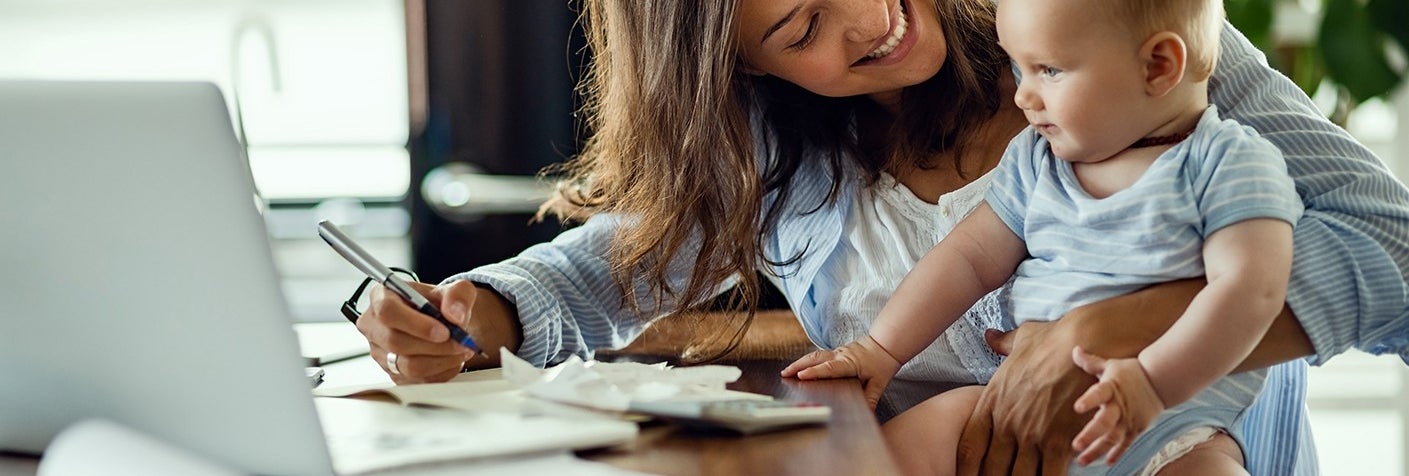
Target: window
x=320, y=85
x=321, y=91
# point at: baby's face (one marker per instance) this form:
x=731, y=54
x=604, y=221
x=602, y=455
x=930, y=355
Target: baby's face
x=1082, y=83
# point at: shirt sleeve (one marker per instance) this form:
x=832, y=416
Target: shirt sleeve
x=567, y=300
x=1242, y=177
x=1014, y=179
x=1351, y=247
x=1271, y=426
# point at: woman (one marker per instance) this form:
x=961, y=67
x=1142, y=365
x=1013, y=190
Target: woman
x=832, y=142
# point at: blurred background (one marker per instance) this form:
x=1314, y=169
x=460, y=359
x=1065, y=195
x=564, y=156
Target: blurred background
x=420, y=126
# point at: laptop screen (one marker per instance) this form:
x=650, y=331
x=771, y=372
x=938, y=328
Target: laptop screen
x=139, y=282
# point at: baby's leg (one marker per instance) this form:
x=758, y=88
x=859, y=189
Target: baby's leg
x=1219, y=455
x=925, y=438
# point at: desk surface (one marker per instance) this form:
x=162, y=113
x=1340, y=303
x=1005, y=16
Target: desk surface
x=850, y=443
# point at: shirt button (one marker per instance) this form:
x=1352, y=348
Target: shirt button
x=944, y=211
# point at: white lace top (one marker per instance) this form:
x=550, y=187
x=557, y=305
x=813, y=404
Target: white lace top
x=885, y=233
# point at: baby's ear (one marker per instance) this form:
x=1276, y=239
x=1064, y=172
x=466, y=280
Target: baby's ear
x=1164, y=56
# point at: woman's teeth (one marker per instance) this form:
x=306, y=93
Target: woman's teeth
x=895, y=37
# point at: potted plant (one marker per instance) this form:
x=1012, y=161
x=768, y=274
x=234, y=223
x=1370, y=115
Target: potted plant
x=1351, y=46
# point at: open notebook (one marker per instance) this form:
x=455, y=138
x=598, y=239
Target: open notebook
x=140, y=288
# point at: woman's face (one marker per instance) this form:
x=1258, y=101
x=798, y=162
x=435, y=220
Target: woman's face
x=843, y=48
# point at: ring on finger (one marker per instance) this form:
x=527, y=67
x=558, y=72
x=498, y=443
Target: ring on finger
x=391, y=363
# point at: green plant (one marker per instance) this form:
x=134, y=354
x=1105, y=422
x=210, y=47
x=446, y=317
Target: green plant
x=1350, y=48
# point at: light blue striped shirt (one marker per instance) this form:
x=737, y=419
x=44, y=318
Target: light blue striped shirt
x=1084, y=249
x=1347, y=285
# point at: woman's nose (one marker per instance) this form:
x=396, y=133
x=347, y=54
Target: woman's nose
x=870, y=20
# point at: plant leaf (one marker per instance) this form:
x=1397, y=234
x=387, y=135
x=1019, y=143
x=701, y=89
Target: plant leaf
x=1308, y=70
x=1254, y=19
x=1354, y=51
x=1391, y=17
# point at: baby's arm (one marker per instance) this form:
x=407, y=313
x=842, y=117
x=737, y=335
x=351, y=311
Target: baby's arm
x=1247, y=265
x=977, y=257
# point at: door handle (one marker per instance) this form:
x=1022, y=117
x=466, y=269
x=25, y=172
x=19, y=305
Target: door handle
x=462, y=193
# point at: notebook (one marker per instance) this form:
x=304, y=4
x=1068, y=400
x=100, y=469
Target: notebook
x=327, y=342
x=139, y=287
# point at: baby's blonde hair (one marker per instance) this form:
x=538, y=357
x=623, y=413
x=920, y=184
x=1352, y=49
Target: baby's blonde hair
x=1198, y=22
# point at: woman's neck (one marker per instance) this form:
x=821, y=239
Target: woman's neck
x=981, y=152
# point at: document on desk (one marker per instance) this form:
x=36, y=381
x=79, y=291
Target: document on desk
x=365, y=436
x=566, y=389
x=100, y=446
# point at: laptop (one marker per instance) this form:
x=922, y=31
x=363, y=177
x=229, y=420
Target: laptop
x=140, y=288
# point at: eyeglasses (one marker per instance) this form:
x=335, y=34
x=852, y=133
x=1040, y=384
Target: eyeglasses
x=349, y=308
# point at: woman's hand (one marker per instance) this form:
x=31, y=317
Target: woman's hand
x=864, y=359
x=1024, y=422
x=422, y=346
x=1025, y=418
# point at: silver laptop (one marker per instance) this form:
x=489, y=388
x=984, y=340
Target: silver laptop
x=139, y=285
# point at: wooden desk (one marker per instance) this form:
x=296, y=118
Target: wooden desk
x=850, y=443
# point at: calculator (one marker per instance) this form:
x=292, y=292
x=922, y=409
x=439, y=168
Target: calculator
x=744, y=416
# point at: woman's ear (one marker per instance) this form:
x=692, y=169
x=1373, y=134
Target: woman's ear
x=1165, y=56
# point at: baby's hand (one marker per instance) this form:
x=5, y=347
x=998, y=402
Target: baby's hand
x=864, y=359
x=1127, y=401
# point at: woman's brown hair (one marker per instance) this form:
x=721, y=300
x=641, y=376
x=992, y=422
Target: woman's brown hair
x=670, y=146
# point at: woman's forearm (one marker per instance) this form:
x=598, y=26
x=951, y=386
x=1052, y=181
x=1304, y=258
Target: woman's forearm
x=1284, y=341
x=495, y=323
x=1125, y=325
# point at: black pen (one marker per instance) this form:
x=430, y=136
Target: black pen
x=374, y=269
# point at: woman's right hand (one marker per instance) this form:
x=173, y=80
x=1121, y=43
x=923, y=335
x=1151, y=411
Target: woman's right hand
x=863, y=358
x=423, y=349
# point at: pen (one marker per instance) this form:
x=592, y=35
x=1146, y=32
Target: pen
x=378, y=272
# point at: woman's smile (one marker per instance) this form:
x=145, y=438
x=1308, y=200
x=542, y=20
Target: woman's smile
x=840, y=48
x=893, y=47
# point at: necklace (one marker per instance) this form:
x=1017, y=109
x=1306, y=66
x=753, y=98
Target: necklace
x=1162, y=140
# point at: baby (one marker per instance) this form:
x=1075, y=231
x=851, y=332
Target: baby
x=1126, y=178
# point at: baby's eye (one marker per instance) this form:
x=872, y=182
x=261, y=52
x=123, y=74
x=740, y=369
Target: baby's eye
x=1049, y=71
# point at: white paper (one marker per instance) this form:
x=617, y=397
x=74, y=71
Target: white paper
x=553, y=463
x=567, y=389
x=99, y=446
x=613, y=386
x=366, y=436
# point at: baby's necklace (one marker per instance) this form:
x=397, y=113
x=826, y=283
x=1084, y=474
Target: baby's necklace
x=1162, y=140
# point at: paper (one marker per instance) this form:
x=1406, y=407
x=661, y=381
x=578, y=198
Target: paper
x=366, y=436
x=564, y=389
x=561, y=462
x=99, y=446
x=613, y=386
x=551, y=463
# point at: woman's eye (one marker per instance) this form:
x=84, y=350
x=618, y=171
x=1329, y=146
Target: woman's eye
x=807, y=35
